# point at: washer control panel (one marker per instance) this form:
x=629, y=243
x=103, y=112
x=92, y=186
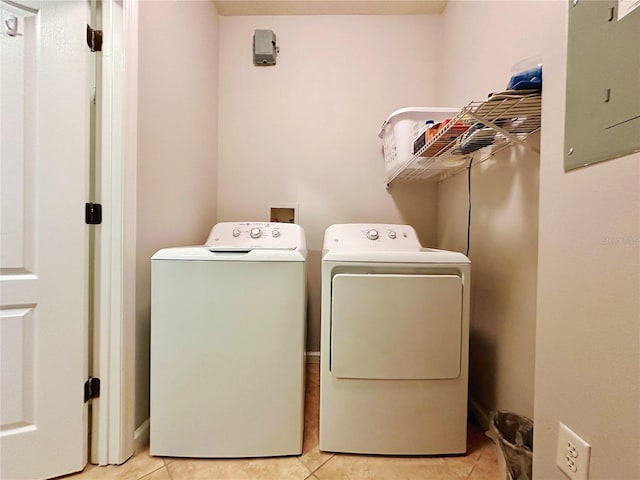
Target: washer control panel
x=360, y=236
x=241, y=236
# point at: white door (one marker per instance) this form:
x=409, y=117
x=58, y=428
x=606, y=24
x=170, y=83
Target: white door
x=44, y=241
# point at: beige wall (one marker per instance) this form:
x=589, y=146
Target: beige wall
x=177, y=145
x=504, y=220
x=305, y=130
x=582, y=300
x=588, y=320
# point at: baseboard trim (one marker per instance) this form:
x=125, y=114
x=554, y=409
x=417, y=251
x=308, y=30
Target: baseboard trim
x=312, y=357
x=141, y=436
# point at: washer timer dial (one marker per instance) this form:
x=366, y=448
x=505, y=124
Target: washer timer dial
x=256, y=232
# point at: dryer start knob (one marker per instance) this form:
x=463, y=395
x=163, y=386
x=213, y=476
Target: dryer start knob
x=256, y=232
x=373, y=234
x=235, y=232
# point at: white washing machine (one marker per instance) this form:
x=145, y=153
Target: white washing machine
x=394, y=343
x=228, y=324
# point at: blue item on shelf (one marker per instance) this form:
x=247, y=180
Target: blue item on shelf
x=527, y=80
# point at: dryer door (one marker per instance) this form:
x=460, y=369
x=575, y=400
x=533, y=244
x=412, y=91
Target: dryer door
x=396, y=326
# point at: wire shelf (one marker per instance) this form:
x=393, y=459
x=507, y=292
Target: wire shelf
x=478, y=132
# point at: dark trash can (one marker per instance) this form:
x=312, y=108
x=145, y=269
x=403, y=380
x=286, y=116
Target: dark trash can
x=514, y=436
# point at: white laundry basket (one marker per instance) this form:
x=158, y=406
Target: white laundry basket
x=400, y=129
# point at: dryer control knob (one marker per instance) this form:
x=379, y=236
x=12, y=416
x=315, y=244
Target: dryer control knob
x=275, y=233
x=392, y=234
x=235, y=232
x=372, y=234
x=256, y=232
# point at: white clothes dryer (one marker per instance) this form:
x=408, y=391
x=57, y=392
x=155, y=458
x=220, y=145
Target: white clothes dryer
x=394, y=343
x=228, y=324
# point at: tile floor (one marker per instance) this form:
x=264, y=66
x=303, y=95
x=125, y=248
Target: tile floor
x=480, y=463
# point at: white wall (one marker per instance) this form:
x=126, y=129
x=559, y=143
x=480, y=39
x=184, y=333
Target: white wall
x=305, y=130
x=484, y=40
x=588, y=305
x=177, y=145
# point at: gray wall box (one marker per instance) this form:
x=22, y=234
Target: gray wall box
x=603, y=85
x=265, y=50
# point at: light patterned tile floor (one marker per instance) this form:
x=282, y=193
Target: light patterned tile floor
x=480, y=462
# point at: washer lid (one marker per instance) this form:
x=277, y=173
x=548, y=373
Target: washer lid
x=248, y=236
x=204, y=253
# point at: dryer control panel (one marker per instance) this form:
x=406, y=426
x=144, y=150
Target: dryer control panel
x=230, y=236
x=363, y=236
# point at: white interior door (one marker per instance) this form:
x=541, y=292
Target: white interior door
x=43, y=266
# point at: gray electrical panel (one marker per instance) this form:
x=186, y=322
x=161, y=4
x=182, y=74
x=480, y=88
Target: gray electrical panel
x=265, y=50
x=603, y=81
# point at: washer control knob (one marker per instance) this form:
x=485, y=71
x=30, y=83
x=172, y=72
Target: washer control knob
x=392, y=234
x=275, y=233
x=372, y=234
x=235, y=232
x=255, y=232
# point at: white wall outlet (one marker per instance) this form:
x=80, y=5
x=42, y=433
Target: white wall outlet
x=573, y=454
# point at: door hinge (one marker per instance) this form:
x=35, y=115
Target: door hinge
x=92, y=213
x=91, y=389
x=94, y=39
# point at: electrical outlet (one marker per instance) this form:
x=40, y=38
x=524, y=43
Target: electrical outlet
x=573, y=454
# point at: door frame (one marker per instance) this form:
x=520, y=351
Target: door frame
x=113, y=422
